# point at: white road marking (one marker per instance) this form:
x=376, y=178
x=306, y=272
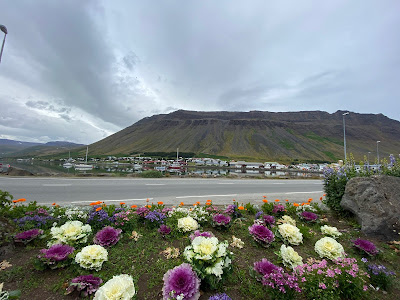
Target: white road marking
x=314, y=192
x=225, y=183
x=118, y=200
x=278, y=183
x=155, y=183
x=56, y=184
x=207, y=196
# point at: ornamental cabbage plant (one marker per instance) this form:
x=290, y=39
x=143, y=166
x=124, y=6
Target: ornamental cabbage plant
x=71, y=233
x=92, y=257
x=290, y=234
x=187, y=224
x=209, y=258
x=329, y=248
x=181, y=282
x=107, y=237
x=331, y=231
x=120, y=287
x=290, y=258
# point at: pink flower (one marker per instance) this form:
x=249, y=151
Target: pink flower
x=330, y=273
x=322, y=285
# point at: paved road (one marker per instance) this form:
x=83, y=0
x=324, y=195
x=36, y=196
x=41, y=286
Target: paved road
x=171, y=191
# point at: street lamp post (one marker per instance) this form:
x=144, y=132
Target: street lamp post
x=3, y=29
x=344, y=137
x=377, y=150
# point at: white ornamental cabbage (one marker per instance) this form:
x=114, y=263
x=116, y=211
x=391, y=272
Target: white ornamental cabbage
x=187, y=224
x=287, y=220
x=70, y=233
x=329, y=248
x=291, y=234
x=120, y=287
x=331, y=231
x=92, y=257
x=291, y=258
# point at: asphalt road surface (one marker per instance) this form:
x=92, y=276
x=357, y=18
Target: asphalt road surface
x=172, y=191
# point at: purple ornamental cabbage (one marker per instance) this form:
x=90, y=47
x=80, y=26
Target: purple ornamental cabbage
x=55, y=253
x=278, y=208
x=261, y=234
x=107, y=237
x=264, y=267
x=199, y=233
x=220, y=219
x=309, y=216
x=268, y=220
x=27, y=236
x=222, y=296
x=164, y=230
x=85, y=284
x=181, y=281
x=366, y=246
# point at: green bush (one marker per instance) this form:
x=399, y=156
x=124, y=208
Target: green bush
x=5, y=199
x=151, y=174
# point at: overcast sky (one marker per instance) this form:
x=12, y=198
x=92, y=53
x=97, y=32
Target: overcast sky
x=80, y=70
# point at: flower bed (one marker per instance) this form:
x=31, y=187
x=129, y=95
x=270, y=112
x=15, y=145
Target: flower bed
x=305, y=258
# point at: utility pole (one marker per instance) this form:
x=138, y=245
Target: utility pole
x=344, y=137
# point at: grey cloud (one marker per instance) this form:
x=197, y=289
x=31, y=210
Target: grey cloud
x=119, y=61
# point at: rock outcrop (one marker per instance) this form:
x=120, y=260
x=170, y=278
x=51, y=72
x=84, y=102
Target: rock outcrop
x=375, y=201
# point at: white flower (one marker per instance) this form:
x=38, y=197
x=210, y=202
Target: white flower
x=329, y=248
x=217, y=268
x=204, y=247
x=187, y=224
x=291, y=234
x=332, y=231
x=70, y=232
x=291, y=258
x=120, y=287
x=287, y=220
x=92, y=257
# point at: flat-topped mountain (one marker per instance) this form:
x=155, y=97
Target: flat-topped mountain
x=312, y=135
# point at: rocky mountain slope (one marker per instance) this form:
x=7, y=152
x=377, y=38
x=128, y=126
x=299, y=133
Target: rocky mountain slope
x=311, y=135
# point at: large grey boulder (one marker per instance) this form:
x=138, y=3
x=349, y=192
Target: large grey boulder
x=375, y=201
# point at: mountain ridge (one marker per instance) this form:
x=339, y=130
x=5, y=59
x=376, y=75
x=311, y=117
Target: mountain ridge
x=256, y=134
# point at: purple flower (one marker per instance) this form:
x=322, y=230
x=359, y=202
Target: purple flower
x=220, y=219
x=265, y=267
x=309, y=216
x=155, y=217
x=261, y=234
x=278, y=208
x=199, y=233
x=259, y=214
x=27, y=236
x=379, y=269
x=107, y=237
x=268, y=220
x=86, y=284
x=142, y=211
x=222, y=296
x=181, y=281
x=164, y=230
x=55, y=253
x=366, y=246
x=36, y=220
